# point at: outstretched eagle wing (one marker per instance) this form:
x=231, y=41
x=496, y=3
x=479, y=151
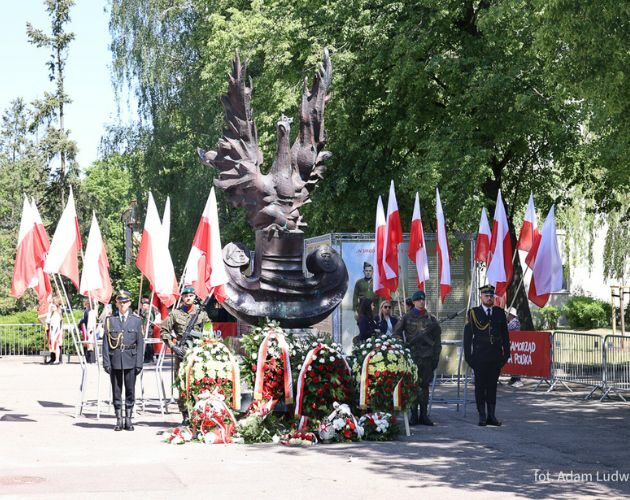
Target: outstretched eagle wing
x=238, y=158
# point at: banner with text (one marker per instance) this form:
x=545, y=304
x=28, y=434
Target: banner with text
x=530, y=354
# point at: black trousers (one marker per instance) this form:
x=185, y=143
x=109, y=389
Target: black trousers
x=128, y=378
x=425, y=372
x=486, y=379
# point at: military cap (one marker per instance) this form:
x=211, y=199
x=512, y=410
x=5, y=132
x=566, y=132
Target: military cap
x=419, y=295
x=123, y=296
x=145, y=300
x=188, y=289
x=367, y=264
x=486, y=290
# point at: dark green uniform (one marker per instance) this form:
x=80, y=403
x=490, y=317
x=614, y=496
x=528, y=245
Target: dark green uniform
x=363, y=288
x=423, y=334
x=176, y=322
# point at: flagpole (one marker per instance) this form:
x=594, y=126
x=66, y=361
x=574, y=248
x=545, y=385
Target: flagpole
x=519, y=286
x=140, y=291
x=181, y=285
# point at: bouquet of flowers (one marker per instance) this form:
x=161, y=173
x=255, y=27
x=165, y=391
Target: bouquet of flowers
x=267, y=363
x=211, y=420
x=324, y=377
x=298, y=438
x=179, y=435
x=379, y=426
x=386, y=374
x=259, y=424
x=341, y=425
x=208, y=367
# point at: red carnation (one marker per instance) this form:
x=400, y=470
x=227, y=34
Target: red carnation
x=346, y=434
x=320, y=368
x=377, y=374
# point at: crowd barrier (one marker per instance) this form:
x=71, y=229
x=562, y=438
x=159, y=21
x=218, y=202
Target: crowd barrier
x=616, y=365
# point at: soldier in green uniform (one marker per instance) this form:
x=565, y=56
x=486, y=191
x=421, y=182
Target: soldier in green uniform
x=173, y=327
x=363, y=288
x=123, y=344
x=422, y=333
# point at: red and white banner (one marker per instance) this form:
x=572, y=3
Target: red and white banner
x=42, y=283
x=529, y=229
x=393, y=238
x=224, y=329
x=530, y=354
x=154, y=259
x=66, y=244
x=379, y=285
x=417, y=251
x=443, y=251
x=482, y=247
x=95, y=280
x=205, y=269
x=25, y=265
x=500, y=266
x=546, y=264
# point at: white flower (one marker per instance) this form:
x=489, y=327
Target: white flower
x=332, y=359
x=254, y=355
x=339, y=423
x=364, y=353
x=314, y=360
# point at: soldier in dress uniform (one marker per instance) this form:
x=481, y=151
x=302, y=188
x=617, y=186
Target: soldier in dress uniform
x=486, y=349
x=423, y=335
x=174, y=326
x=122, y=356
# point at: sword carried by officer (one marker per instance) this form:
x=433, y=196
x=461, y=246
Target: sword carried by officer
x=182, y=345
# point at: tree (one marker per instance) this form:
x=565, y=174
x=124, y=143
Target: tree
x=49, y=111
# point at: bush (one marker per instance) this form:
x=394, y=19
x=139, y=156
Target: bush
x=586, y=312
x=20, y=318
x=549, y=317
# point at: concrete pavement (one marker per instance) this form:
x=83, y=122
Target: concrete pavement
x=551, y=445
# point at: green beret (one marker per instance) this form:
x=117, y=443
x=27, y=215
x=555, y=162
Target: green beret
x=419, y=295
x=486, y=290
x=188, y=289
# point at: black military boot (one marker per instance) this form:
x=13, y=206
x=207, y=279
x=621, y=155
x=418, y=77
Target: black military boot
x=481, y=408
x=128, y=422
x=185, y=418
x=53, y=358
x=492, y=419
x=119, y=421
x=424, y=415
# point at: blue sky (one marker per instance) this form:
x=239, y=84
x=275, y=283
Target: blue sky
x=88, y=81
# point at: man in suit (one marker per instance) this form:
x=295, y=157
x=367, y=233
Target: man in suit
x=123, y=344
x=486, y=349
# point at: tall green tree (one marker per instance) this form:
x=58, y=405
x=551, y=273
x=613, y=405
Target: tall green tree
x=49, y=114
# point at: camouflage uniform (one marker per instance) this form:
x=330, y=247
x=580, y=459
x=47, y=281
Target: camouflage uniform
x=176, y=322
x=422, y=333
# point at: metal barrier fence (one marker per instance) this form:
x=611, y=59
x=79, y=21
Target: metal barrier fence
x=616, y=365
x=28, y=340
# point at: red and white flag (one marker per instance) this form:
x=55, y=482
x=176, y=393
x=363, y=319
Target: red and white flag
x=25, y=266
x=393, y=238
x=379, y=286
x=482, y=247
x=443, y=252
x=154, y=258
x=417, y=251
x=42, y=283
x=529, y=229
x=95, y=280
x=546, y=264
x=63, y=255
x=205, y=269
x=500, y=266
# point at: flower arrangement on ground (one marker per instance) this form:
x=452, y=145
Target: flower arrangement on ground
x=211, y=420
x=267, y=363
x=341, y=425
x=259, y=425
x=324, y=378
x=386, y=374
x=179, y=435
x=379, y=426
x=209, y=367
x=298, y=438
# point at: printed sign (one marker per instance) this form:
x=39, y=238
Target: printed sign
x=224, y=330
x=530, y=354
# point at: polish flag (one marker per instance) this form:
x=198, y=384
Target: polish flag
x=205, y=269
x=154, y=259
x=546, y=264
x=500, y=266
x=62, y=256
x=443, y=252
x=529, y=229
x=42, y=285
x=379, y=286
x=95, y=280
x=26, y=263
x=482, y=246
x=417, y=251
x=393, y=238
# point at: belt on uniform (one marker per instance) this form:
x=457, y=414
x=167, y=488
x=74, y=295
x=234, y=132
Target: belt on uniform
x=128, y=347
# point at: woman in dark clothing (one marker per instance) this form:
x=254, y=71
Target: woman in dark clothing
x=367, y=325
x=385, y=319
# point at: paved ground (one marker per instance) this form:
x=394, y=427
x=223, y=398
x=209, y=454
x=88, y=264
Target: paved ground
x=45, y=450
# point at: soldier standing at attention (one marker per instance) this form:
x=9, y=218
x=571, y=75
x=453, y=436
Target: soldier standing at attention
x=423, y=335
x=122, y=341
x=174, y=326
x=363, y=288
x=486, y=349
